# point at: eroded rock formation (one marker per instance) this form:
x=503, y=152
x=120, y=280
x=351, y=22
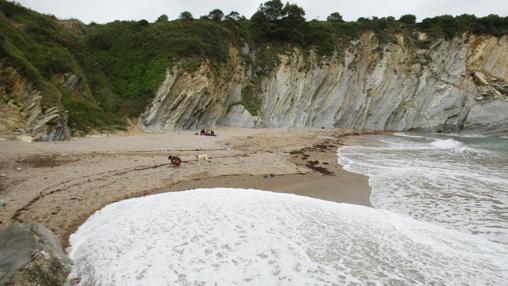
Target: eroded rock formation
x=457, y=85
x=21, y=110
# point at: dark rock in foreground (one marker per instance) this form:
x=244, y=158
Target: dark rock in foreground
x=31, y=255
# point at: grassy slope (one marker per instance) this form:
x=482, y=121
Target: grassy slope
x=135, y=55
x=39, y=48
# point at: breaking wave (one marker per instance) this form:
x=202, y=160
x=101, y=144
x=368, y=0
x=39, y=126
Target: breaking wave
x=460, y=183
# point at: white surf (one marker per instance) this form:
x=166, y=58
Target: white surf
x=250, y=237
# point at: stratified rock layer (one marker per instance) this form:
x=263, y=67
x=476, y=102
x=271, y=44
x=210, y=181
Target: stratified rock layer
x=21, y=110
x=457, y=85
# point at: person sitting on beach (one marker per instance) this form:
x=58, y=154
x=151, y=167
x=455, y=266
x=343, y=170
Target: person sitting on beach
x=174, y=161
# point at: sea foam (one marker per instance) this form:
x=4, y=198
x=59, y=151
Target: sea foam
x=459, y=184
x=447, y=144
x=250, y=237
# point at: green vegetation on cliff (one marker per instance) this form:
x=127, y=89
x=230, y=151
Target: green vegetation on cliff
x=121, y=64
x=41, y=49
x=135, y=55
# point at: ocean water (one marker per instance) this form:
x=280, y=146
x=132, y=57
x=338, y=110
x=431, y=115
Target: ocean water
x=251, y=237
x=460, y=183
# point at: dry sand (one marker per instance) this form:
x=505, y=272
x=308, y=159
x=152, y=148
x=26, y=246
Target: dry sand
x=60, y=184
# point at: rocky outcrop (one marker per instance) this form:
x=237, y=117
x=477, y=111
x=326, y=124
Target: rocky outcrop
x=51, y=126
x=31, y=255
x=196, y=99
x=238, y=116
x=21, y=111
x=457, y=85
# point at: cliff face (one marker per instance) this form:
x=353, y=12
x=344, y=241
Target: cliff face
x=21, y=111
x=59, y=73
x=191, y=100
x=458, y=85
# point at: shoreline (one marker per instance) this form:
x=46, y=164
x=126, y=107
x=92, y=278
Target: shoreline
x=329, y=182
x=61, y=184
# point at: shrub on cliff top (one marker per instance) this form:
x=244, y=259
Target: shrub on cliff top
x=408, y=19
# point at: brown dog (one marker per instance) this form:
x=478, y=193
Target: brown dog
x=174, y=161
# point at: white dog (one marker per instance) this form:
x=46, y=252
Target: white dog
x=201, y=157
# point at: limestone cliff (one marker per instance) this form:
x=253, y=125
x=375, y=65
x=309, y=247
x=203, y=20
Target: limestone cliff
x=21, y=111
x=195, y=99
x=457, y=85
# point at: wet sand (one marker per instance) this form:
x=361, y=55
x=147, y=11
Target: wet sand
x=338, y=185
x=61, y=184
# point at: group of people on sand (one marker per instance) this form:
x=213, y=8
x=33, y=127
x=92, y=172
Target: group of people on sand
x=175, y=161
x=207, y=132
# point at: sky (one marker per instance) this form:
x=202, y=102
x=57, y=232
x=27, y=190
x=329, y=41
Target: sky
x=103, y=11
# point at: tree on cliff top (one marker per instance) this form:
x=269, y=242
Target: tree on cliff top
x=162, y=18
x=235, y=16
x=408, y=19
x=335, y=17
x=277, y=22
x=186, y=16
x=216, y=15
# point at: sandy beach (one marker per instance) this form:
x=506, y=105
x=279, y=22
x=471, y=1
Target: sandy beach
x=60, y=184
